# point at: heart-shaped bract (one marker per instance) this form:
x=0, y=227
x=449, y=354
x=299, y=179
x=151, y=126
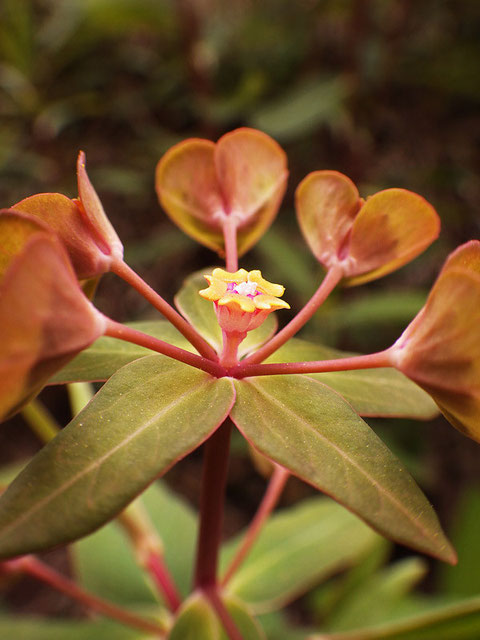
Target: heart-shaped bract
x=366, y=239
x=242, y=178
x=45, y=318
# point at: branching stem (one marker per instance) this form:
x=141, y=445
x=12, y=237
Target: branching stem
x=223, y=614
x=332, y=278
x=214, y=477
x=368, y=361
x=41, y=571
x=125, y=272
x=230, y=240
x=116, y=330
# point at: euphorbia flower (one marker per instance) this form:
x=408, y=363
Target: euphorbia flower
x=440, y=349
x=242, y=299
x=365, y=239
x=45, y=318
x=81, y=224
x=241, y=180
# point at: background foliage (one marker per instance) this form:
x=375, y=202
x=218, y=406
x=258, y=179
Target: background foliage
x=385, y=92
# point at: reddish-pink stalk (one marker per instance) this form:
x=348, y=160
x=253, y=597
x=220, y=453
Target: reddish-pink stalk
x=369, y=361
x=41, y=571
x=222, y=612
x=155, y=565
x=274, y=490
x=231, y=342
x=214, y=478
x=230, y=241
x=125, y=272
x=332, y=278
x=120, y=331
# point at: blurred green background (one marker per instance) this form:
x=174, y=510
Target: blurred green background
x=385, y=91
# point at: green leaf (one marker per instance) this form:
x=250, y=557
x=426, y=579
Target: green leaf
x=376, y=598
x=198, y=621
x=306, y=427
x=460, y=621
x=371, y=392
x=39, y=629
x=201, y=314
x=147, y=416
x=461, y=580
x=298, y=548
x=277, y=627
x=107, y=355
x=105, y=563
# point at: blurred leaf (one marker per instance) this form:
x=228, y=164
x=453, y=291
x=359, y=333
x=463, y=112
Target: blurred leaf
x=105, y=563
x=145, y=418
x=463, y=580
x=306, y=427
x=277, y=627
x=201, y=314
x=298, y=548
x=312, y=102
x=376, y=599
x=460, y=621
x=371, y=392
x=34, y=628
x=107, y=355
x=198, y=621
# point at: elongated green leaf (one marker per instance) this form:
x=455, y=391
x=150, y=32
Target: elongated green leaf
x=198, y=621
x=460, y=621
x=201, y=314
x=148, y=415
x=371, y=392
x=309, y=429
x=277, y=627
x=298, y=548
x=104, y=561
x=107, y=355
x=39, y=629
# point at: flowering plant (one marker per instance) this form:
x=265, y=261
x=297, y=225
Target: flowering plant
x=216, y=363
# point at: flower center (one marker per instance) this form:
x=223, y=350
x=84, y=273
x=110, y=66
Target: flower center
x=244, y=288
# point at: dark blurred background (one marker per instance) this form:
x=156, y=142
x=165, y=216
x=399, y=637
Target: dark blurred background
x=387, y=92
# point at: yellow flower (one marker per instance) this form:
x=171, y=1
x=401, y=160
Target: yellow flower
x=242, y=299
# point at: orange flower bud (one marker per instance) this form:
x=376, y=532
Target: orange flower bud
x=243, y=299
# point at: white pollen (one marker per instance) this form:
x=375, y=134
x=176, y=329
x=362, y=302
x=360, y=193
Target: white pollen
x=246, y=288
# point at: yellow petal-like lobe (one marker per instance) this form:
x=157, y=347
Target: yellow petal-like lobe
x=235, y=299
x=265, y=301
x=393, y=227
x=327, y=203
x=440, y=349
x=267, y=287
x=230, y=276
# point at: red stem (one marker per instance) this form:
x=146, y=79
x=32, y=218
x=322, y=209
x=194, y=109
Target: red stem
x=125, y=272
x=230, y=240
x=369, y=361
x=120, y=331
x=214, y=479
x=223, y=614
x=274, y=490
x=43, y=572
x=155, y=565
x=332, y=278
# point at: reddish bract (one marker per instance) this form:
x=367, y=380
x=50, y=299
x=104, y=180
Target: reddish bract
x=242, y=178
x=45, y=319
